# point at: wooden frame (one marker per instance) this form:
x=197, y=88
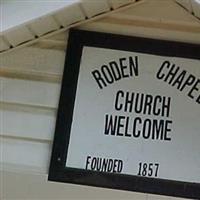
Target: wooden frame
x=58, y=172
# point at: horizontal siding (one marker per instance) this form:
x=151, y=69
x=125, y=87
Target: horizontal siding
x=30, y=154
x=30, y=80
x=35, y=187
x=152, y=19
x=142, y=31
x=27, y=122
x=27, y=92
x=34, y=59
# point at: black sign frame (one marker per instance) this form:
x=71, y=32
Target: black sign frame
x=58, y=172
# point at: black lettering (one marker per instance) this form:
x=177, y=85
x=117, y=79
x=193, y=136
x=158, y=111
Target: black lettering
x=139, y=120
x=189, y=81
x=107, y=74
x=115, y=70
x=129, y=102
x=194, y=88
x=134, y=66
x=146, y=129
x=198, y=100
x=167, y=130
x=115, y=166
x=100, y=81
x=120, y=166
x=123, y=67
x=98, y=167
x=160, y=75
x=166, y=106
x=110, y=165
x=120, y=125
x=87, y=162
x=156, y=109
x=179, y=79
x=148, y=104
x=139, y=103
x=93, y=163
x=104, y=165
x=110, y=125
x=158, y=128
x=172, y=73
x=126, y=128
x=119, y=106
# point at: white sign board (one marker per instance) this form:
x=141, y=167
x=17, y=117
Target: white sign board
x=150, y=116
x=136, y=113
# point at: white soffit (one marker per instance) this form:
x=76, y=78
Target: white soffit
x=25, y=21
x=193, y=6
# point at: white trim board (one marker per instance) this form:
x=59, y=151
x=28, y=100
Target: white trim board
x=23, y=22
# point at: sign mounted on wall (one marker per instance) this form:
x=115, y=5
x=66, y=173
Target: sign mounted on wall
x=129, y=115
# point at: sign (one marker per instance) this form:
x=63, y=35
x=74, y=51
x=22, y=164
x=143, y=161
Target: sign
x=129, y=115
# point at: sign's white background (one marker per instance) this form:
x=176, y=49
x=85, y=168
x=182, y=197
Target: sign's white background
x=179, y=158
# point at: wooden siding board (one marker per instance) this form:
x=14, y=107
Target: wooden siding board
x=34, y=60
x=44, y=25
x=69, y=15
x=30, y=92
x=118, y=3
x=142, y=31
x=33, y=123
x=95, y=7
x=25, y=153
x=35, y=186
x=3, y=44
x=19, y=35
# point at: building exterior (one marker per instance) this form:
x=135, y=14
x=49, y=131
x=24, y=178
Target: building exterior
x=30, y=80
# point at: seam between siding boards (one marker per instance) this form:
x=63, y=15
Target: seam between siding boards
x=30, y=75
x=27, y=108
x=152, y=24
x=27, y=139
